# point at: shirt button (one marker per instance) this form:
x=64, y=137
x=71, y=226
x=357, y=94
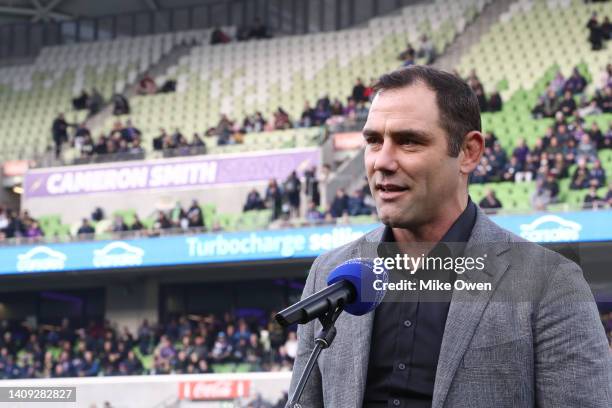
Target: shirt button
x=396, y=402
x=407, y=323
x=401, y=366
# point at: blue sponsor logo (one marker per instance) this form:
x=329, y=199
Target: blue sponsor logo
x=551, y=228
x=584, y=226
x=117, y=253
x=41, y=258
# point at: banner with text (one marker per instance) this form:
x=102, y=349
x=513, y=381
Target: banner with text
x=166, y=174
x=584, y=226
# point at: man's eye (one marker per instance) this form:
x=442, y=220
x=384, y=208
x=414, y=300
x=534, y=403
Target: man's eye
x=372, y=140
x=407, y=142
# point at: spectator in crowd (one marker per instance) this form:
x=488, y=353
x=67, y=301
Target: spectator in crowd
x=224, y=130
x=592, y=199
x=59, y=131
x=512, y=168
x=313, y=215
x=340, y=204
x=336, y=108
x=567, y=105
x=598, y=174
x=559, y=168
x=85, y=228
x=356, y=204
x=521, y=151
x=158, y=142
x=581, y=176
x=178, y=217
x=484, y=172
x=292, y=189
x=168, y=86
x=162, y=221
x=358, y=93
x=321, y=114
x=80, y=136
x=575, y=83
x=427, y=50
x=222, y=349
x=490, y=201
x=96, y=102
x=281, y=119
x=606, y=28
x=596, y=34
x=119, y=224
x=482, y=99
x=274, y=199
x=259, y=31
x=137, y=224
x=97, y=214
x=146, y=85
x=474, y=81
x=495, y=102
x=552, y=186
x=33, y=229
x=586, y=149
x=195, y=215
x=121, y=106
x=307, y=117
x=218, y=36
x=81, y=102
x=312, y=185
x=254, y=201
x=489, y=139
x=540, y=197
x=407, y=56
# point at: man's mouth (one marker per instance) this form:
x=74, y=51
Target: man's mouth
x=388, y=191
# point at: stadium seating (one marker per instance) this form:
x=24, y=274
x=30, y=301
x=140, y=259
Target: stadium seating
x=32, y=95
x=530, y=38
x=519, y=56
x=241, y=78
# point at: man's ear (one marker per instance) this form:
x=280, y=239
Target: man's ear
x=471, y=151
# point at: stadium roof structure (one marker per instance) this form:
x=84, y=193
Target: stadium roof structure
x=12, y=11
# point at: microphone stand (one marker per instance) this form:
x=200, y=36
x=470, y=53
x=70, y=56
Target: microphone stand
x=323, y=340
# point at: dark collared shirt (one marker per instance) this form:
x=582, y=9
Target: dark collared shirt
x=408, y=329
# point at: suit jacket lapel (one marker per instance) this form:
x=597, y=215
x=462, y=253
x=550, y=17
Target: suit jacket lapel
x=465, y=311
x=363, y=325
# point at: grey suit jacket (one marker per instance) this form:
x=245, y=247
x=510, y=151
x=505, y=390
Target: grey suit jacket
x=535, y=339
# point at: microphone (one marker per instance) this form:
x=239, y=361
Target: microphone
x=351, y=286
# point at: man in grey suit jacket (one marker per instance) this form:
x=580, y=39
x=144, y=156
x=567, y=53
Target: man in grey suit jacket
x=533, y=339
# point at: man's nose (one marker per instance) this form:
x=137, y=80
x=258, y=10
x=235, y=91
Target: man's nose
x=386, y=158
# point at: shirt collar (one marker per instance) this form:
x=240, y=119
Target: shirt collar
x=460, y=231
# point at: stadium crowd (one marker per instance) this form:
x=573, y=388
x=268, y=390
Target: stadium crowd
x=567, y=142
x=198, y=344
x=124, y=141
x=284, y=199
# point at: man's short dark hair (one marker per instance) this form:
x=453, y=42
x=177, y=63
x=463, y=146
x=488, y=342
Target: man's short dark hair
x=457, y=103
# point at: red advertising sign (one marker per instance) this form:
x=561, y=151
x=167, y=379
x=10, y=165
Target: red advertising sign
x=348, y=141
x=15, y=168
x=214, y=390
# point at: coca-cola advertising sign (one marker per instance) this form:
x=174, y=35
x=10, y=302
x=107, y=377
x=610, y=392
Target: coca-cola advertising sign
x=214, y=390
